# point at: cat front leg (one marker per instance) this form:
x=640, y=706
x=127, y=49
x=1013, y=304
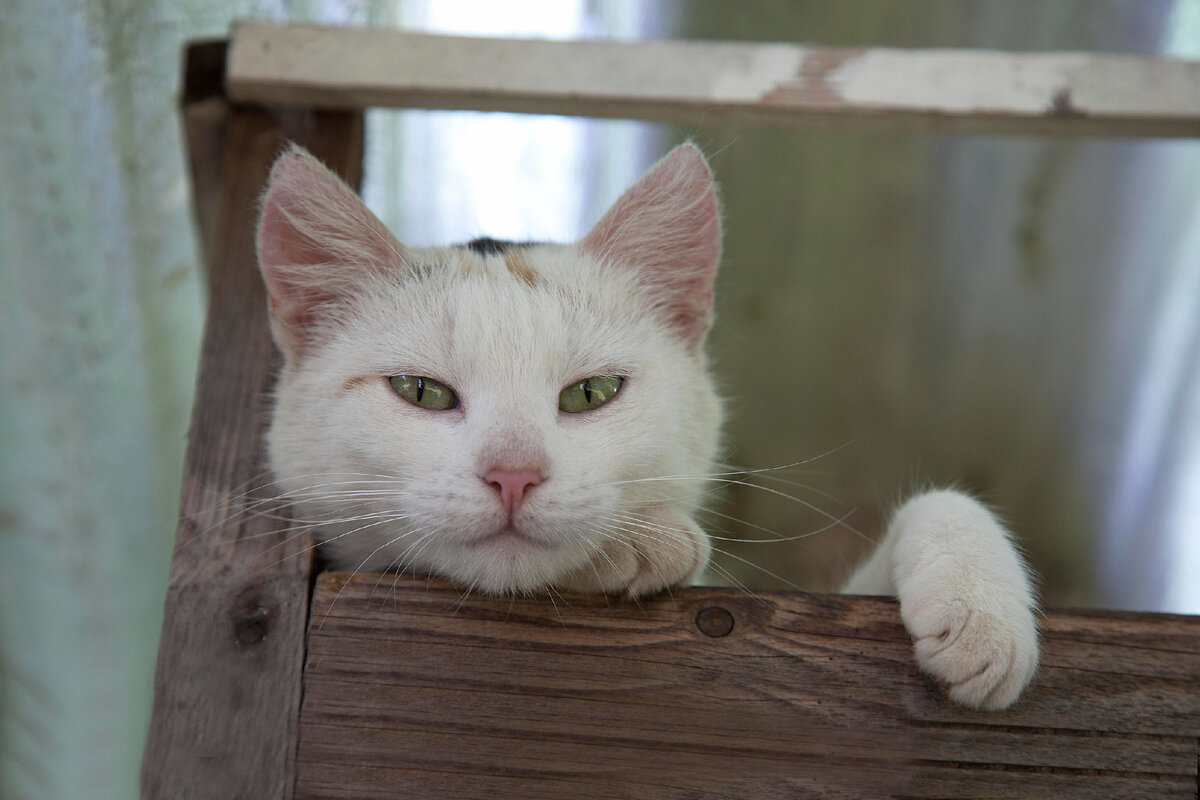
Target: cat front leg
x=965, y=596
x=643, y=555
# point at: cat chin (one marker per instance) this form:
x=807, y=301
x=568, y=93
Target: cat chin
x=510, y=542
x=504, y=564
x=508, y=562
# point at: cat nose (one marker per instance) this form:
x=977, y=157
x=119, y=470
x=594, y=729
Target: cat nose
x=512, y=485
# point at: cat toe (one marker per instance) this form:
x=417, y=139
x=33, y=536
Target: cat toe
x=998, y=685
x=986, y=659
x=608, y=572
x=670, y=560
x=639, y=567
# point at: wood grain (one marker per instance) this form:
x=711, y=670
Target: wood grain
x=227, y=686
x=964, y=91
x=411, y=687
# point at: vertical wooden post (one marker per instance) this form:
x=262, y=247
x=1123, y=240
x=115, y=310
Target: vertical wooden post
x=227, y=686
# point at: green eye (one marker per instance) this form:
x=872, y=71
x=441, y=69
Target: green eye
x=424, y=392
x=589, y=394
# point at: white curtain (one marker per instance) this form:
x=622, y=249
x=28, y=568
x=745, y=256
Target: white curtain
x=1151, y=544
x=99, y=317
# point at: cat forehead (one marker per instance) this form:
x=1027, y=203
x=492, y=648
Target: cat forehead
x=508, y=305
x=517, y=258
x=531, y=263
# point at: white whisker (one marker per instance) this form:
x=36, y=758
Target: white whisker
x=834, y=522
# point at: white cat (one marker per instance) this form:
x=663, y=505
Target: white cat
x=521, y=416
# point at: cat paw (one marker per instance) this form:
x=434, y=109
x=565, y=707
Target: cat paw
x=642, y=564
x=965, y=598
x=984, y=654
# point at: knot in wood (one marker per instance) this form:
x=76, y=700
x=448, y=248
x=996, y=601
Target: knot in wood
x=714, y=621
x=251, y=621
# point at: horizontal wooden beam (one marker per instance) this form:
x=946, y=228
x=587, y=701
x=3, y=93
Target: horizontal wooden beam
x=718, y=693
x=693, y=82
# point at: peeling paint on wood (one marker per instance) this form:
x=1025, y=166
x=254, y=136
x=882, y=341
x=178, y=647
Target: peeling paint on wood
x=973, y=91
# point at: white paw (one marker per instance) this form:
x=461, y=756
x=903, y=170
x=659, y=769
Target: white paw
x=965, y=598
x=665, y=551
x=985, y=654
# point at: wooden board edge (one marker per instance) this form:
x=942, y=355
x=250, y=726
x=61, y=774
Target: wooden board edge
x=698, y=82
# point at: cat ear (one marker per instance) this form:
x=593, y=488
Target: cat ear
x=667, y=228
x=317, y=243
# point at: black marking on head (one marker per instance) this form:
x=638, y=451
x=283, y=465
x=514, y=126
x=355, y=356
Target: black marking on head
x=487, y=246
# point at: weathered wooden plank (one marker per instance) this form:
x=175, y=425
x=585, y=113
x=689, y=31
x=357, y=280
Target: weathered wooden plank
x=409, y=685
x=701, y=82
x=1057, y=748
x=955, y=782
x=227, y=686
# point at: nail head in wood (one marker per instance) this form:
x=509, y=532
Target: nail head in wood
x=251, y=621
x=714, y=621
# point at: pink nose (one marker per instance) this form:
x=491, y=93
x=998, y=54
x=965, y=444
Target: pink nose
x=512, y=485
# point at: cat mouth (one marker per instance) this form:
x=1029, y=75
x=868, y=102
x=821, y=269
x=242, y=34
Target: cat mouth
x=510, y=539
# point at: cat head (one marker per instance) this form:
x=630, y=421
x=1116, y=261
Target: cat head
x=509, y=416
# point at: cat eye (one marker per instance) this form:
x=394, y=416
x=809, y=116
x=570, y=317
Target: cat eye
x=588, y=394
x=424, y=392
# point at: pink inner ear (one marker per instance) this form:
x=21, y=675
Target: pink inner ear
x=292, y=301
x=278, y=242
x=280, y=246
x=667, y=228
x=316, y=242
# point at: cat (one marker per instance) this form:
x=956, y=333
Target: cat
x=517, y=417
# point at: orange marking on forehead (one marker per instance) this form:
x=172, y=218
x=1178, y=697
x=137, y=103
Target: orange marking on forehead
x=354, y=383
x=514, y=259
